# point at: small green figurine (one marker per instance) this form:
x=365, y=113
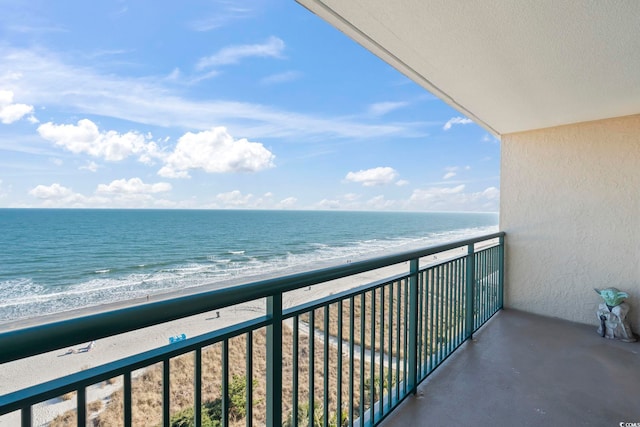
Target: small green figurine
x=612, y=314
x=612, y=296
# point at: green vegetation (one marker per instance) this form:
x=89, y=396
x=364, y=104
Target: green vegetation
x=212, y=410
x=147, y=397
x=318, y=417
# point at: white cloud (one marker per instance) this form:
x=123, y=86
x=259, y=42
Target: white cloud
x=120, y=193
x=272, y=48
x=3, y=192
x=451, y=172
x=222, y=17
x=169, y=172
x=453, y=190
x=206, y=76
x=235, y=199
x=434, y=193
x=351, y=197
x=284, y=77
x=328, y=204
x=10, y=112
x=379, y=203
x=85, y=137
x=456, y=121
x=174, y=75
x=264, y=202
x=56, y=195
x=374, y=176
x=353, y=201
x=382, y=108
x=132, y=186
x=215, y=151
x=45, y=79
x=53, y=191
x=90, y=166
x=491, y=193
x=455, y=199
x=402, y=182
x=287, y=203
x=490, y=138
x=101, y=53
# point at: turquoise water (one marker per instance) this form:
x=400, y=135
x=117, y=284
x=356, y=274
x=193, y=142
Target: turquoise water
x=53, y=260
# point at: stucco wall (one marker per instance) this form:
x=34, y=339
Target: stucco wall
x=570, y=204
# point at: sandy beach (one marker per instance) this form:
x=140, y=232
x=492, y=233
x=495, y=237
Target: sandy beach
x=44, y=367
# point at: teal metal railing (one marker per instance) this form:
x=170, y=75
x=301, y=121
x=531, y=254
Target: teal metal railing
x=345, y=359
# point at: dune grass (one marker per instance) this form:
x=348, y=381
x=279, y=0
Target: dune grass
x=147, y=384
x=386, y=309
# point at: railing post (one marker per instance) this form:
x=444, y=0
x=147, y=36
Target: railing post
x=197, y=365
x=413, y=324
x=128, y=405
x=26, y=417
x=81, y=405
x=501, y=273
x=166, y=392
x=469, y=294
x=274, y=361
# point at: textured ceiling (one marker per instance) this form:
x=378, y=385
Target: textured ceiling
x=510, y=65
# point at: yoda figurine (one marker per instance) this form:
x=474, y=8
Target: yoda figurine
x=612, y=315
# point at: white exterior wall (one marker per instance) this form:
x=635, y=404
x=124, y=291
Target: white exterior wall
x=570, y=205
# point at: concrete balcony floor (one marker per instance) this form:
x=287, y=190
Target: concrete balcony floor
x=522, y=369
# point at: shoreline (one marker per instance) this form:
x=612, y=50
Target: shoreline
x=159, y=296
x=151, y=297
x=26, y=322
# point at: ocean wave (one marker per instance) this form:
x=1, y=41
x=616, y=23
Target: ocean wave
x=16, y=288
x=22, y=297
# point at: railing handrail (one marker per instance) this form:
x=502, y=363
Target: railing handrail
x=30, y=341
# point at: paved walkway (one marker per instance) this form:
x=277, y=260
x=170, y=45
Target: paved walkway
x=303, y=328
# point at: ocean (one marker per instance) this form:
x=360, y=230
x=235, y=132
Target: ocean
x=55, y=260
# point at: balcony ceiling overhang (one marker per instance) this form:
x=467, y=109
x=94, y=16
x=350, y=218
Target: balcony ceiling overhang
x=509, y=65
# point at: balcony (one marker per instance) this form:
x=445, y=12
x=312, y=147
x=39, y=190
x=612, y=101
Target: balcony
x=375, y=351
x=530, y=370
x=373, y=342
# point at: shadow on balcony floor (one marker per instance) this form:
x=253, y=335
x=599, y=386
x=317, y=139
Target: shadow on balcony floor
x=523, y=369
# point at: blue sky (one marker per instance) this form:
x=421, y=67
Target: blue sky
x=221, y=104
